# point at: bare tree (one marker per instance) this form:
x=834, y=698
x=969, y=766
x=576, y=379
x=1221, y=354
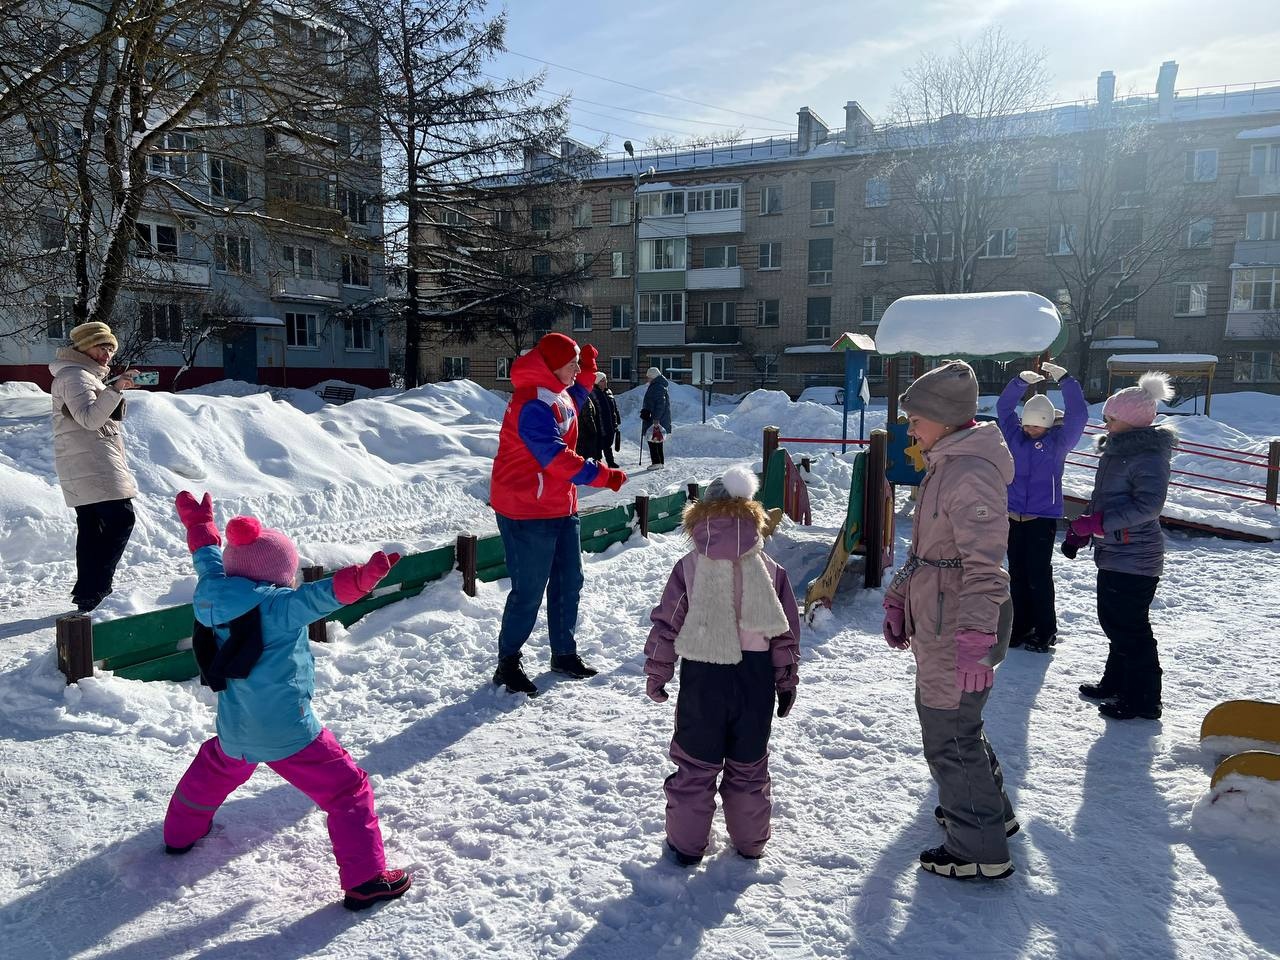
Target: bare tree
x=695, y=141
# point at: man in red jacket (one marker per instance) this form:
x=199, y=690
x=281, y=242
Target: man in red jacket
x=534, y=492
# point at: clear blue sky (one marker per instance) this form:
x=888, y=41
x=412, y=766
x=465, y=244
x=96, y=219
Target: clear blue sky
x=768, y=59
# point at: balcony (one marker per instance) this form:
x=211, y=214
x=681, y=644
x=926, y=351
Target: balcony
x=701, y=333
x=714, y=278
x=702, y=222
x=1258, y=185
x=170, y=272
x=306, y=215
x=1251, y=325
x=288, y=287
x=1257, y=253
x=660, y=334
x=648, y=281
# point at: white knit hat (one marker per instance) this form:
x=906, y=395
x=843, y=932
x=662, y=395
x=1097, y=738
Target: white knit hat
x=652, y=372
x=1039, y=411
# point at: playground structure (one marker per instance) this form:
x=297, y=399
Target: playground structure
x=1245, y=734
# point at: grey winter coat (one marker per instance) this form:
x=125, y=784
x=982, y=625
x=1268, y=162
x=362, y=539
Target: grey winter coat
x=88, y=450
x=1129, y=491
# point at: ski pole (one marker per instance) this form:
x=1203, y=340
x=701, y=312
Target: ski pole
x=640, y=463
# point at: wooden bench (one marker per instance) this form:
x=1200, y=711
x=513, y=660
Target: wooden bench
x=335, y=394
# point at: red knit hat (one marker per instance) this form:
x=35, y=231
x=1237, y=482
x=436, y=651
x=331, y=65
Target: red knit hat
x=259, y=553
x=557, y=350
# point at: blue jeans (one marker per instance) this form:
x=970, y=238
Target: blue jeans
x=543, y=556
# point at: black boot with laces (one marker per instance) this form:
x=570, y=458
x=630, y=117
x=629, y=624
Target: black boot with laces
x=571, y=665
x=512, y=676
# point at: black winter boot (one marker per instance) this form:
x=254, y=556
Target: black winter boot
x=1096, y=691
x=571, y=665
x=1123, y=710
x=684, y=859
x=387, y=885
x=938, y=860
x=512, y=676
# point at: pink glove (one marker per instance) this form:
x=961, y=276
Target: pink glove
x=198, y=519
x=1087, y=525
x=609, y=477
x=352, y=583
x=895, y=624
x=973, y=676
x=655, y=689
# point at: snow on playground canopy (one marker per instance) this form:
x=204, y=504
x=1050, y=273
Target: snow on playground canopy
x=990, y=326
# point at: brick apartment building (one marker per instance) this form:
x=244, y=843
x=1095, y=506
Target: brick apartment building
x=763, y=252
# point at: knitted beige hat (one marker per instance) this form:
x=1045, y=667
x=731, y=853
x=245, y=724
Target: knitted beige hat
x=89, y=335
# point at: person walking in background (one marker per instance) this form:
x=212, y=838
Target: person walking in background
x=1039, y=447
x=655, y=414
x=534, y=493
x=590, y=440
x=729, y=614
x=610, y=419
x=949, y=603
x=88, y=455
x=251, y=644
x=1122, y=521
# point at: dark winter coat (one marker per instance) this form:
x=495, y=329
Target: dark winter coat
x=1036, y=489
x=607, y=407
x=590, y=443
x=1129, y=491
x=657, y=400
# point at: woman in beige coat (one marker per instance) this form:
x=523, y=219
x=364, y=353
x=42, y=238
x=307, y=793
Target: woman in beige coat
x=949, y=603
x=88, y=454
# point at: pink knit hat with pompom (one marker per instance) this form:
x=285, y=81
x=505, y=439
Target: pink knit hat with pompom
x=259, y=553
x=1136, y=406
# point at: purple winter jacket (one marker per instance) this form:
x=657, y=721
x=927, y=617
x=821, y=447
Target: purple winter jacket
x=721, y=538
x=1036, y=490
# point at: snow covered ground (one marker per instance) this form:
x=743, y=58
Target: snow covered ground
x=534, y=828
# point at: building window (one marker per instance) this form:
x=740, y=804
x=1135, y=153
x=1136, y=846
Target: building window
x=582, y=215
x=156, y=239
x=876, y=193
x=1257, y=366
x=355, y=270
x=228, y=180
x=59, y=317
x=1061, y=239
x=664, y=254
x=354, y=205
x=818, y=318
x=770, y=200
x=1001, y=243
x=541, y=264
x=822, y=202
x=1190, y=299
x=932, y=247
x=299, y=261
x=619, y=268
x=1255, y=289
x=52, y=233
x=1126, y=236
x=770, y=256
x=160, y=321
x=357, y=334
x=716, y=198
x=1062, y=300
x=541, y=219
x=1262, y=225
x=581, y=318
x=172, y=156
x=668, y=364
x=620, y=210
x=722, y=369
x=821, y=261
x=873, y=308
x=720, y=313
x=875, y=251
x=1200, y=233
x=766, y=366
x=768, y=313
x=620, y=369
x=719, y=257
x=581, y=263
x=456, y=368
x=1123, y=320
x=1264, y=159
x=1131, y=180
x=665, y=203
x=300, y=330
x=662, y=308
x=232, y=254
x=620, y=317
x=1066, y=175
x=502, y=368
x=1201, y=166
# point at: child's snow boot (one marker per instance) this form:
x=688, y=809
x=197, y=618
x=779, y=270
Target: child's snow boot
x=177, y=851
x=387, y=885
x=938, y=860
x=512, y=676
x=684, y=859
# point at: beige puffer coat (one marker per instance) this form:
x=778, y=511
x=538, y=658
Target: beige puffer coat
x=88, y=450
x=961, y=513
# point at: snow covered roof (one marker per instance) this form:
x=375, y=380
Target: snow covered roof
x=1259, y=133
x=1001, y=325
x=1123, y=343
x=808, y=348
x=1171, y=359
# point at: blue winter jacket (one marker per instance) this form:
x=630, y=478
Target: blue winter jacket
x=266, y=716
x=1129, y=491
x=1036, y=490
x=657, y=400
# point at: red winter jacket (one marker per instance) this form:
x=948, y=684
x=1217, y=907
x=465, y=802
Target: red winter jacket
x=536, y=471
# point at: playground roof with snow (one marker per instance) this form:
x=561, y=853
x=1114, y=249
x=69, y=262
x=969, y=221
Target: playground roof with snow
x=994, y=326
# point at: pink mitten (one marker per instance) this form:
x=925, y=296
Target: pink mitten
x=972, y=675
x=198, y=519
x=1087, y=525
x=655, y=689
x=352, y=583
x=895, y=624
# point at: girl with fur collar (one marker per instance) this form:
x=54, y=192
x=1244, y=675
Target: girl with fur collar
x=729, y=615
x=1122, y=521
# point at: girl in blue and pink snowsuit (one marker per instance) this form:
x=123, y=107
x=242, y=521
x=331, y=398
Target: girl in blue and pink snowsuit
x=729, y=614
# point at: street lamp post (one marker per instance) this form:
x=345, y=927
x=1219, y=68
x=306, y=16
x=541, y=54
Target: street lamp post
x=635, y=258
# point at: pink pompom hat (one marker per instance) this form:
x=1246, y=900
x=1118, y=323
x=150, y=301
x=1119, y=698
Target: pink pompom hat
x=259, y=553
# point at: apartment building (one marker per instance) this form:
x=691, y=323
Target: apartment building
x=279, y=279
x=763, y=252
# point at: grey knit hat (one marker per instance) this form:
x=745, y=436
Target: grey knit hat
x=947, y=394
x=739, y=482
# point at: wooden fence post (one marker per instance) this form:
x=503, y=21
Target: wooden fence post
x=770, y=445
x=642, y=514
x=74, y=633
x=466, y=552
x=1273, y=471
x=316, y=632
x=874, y=505
x=692, y=491
x=806, y=465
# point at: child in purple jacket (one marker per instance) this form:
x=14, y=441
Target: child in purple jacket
x=728, y=612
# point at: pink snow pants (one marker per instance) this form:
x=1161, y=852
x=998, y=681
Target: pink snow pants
x=322, y=770
x=691, y=803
